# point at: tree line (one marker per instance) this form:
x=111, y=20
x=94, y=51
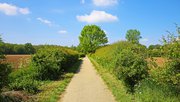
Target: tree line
x=7, y=48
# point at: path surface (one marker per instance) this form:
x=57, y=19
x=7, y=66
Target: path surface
x=87, y=86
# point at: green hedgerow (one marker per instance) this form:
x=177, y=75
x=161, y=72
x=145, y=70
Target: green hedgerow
x=131, y=68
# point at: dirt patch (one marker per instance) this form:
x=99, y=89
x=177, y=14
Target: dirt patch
x=15, y=96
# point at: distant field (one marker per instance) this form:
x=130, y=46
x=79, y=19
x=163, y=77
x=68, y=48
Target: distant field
x=160, y=61
x=16, y=60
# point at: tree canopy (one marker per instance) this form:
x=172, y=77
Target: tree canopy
x=1, y=39
x=133, y=36
x=91, y=38
x=29, y=48
x=1, y=49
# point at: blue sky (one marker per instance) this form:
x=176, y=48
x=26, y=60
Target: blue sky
x=60, y=22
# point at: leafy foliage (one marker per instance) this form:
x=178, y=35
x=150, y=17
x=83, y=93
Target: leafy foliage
x=24, y=79
x=159, y=83
x=172, y=50
x=49, y=63
x=133, y=36
x=169, y=75
x=29, y=48
x=131, y=68
x=1, y=41
x=155, y=51
x=91, y=38
x=5, y=70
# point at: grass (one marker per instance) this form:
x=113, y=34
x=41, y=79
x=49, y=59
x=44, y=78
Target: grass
x=52, y=90
x=115, y=85
x=150, y=91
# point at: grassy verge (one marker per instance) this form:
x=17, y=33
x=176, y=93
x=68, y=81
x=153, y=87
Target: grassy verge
x=148, y=91
x=52, y=90
x=113, y=83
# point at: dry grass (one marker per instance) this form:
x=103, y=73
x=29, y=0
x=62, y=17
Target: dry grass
x=17, y=60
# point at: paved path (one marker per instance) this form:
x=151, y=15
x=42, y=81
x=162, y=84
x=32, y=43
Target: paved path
x=87, y=86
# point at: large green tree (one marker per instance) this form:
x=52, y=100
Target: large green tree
x=91, y=38
x=133, y=36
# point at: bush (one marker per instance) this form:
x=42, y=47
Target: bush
x=155, y=53
x=169, y=75
x=24, y=79
x=172, y=50
x=26, y=84
x=5, y=69
x=131, y=68
x=48, y=63
x=173, y=73
x=51, y=62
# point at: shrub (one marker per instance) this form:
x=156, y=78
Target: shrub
x=173, y=73
x=24, y=79
x=52, y=62
x=26, y=84
x=5, y=69
x=155, y=53
x=172, y=50
x=169, y=75
x=48, y=63
x=131, y=68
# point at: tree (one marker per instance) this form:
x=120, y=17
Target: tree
x=157, y=46
x=133, y=36
x=1, y=48
x=29, y=48
x=91, y=38
x=1, y=41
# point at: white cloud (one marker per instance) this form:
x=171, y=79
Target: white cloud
x=83, y=1
x=144, y=40
x=11, y=10
x=97, y=17
x=49, y=23
x=62, y=32
x=105, y=2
